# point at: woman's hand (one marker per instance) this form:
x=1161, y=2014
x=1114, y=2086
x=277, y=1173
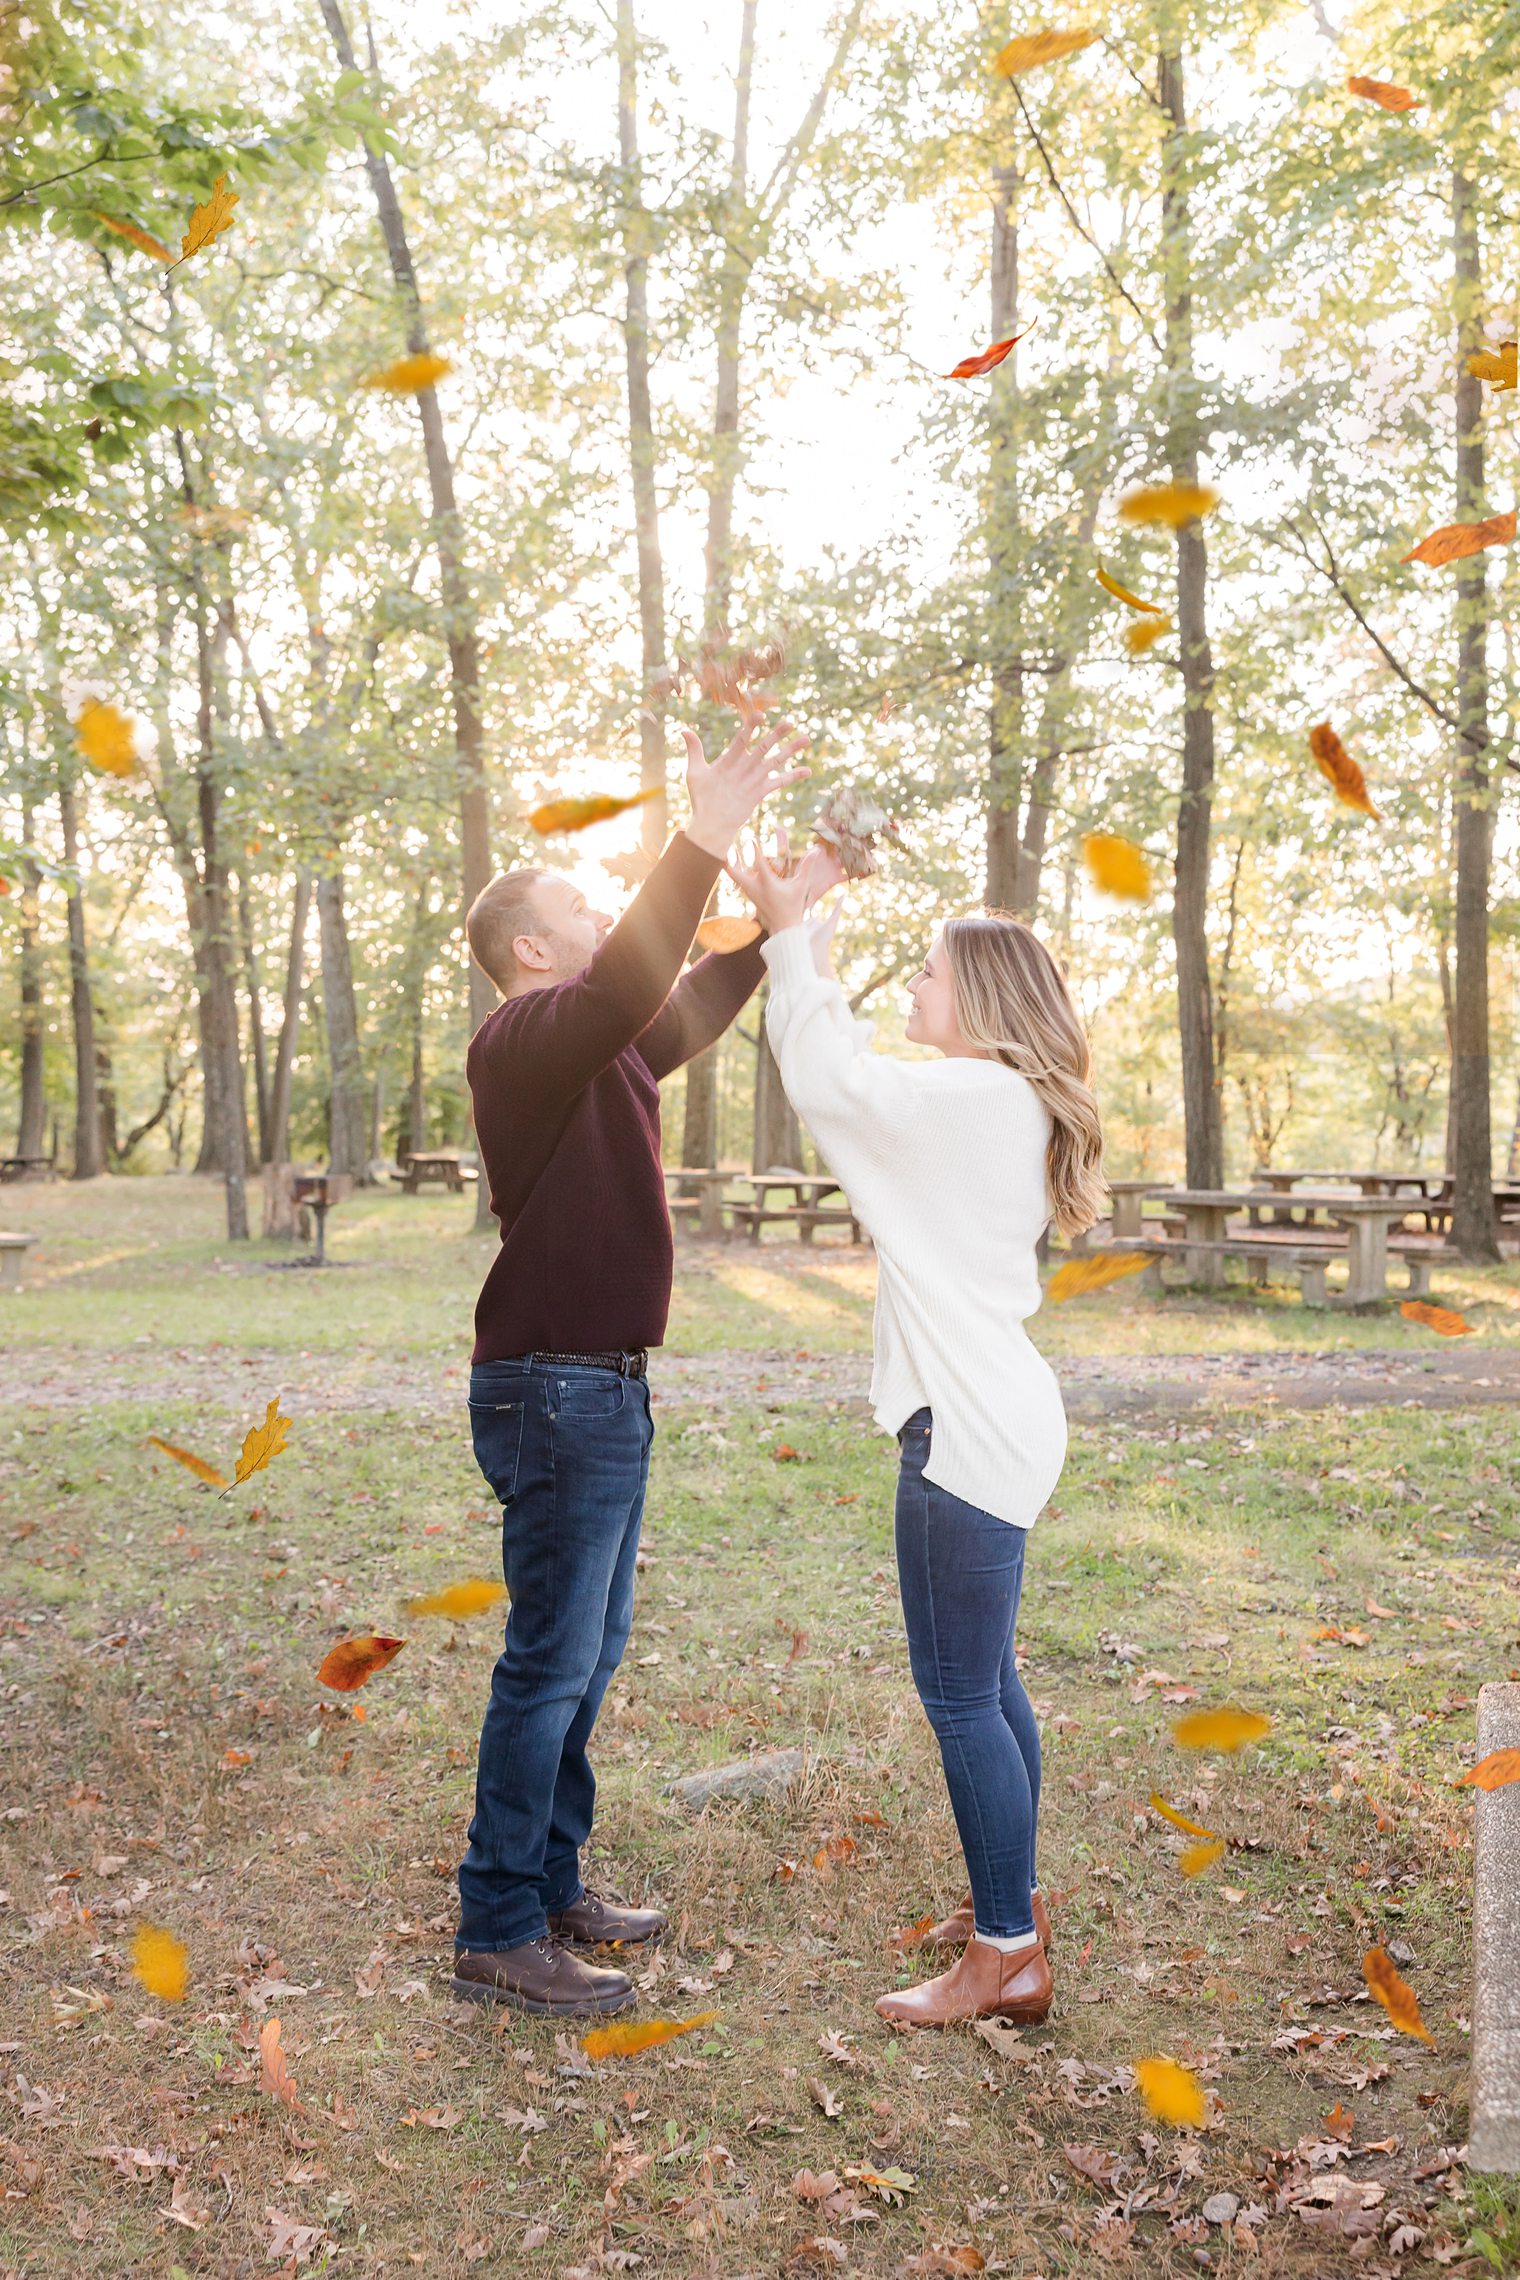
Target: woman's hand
x=782, y=898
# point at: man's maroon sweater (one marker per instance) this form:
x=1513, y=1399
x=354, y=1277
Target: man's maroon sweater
x=564, y=1082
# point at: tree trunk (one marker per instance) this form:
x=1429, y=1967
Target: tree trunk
x=1005, y=766
x=348, y=1104
x=255, y=1018
x=1200, y=1078
x=1473, y=1228
x=89, y=1158
x=777, y=1134
x=458, y=601
x=285, y=1051
x=416, y=1096
x=31, y=1127
x=641, y=437
x=733, y=283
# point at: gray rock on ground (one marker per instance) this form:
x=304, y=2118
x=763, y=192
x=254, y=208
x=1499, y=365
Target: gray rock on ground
x=765, y=1775
x=1494, y=2129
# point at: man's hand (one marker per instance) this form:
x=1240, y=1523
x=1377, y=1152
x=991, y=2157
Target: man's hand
x=783, y=899
x=725, y=793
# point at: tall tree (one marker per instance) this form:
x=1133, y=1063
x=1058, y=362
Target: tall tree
x=638, y=230
x=290, y=1024
x=89, y=1152
x=31, y=1123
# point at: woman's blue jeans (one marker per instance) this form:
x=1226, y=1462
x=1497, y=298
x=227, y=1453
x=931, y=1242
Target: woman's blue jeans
x=566, y=1449
x=960, y=1571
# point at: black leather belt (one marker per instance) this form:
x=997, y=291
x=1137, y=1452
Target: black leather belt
x=635, y=1364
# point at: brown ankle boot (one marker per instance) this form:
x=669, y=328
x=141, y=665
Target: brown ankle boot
x=958, y=1927
x=983, y=1983
x=541, y=1976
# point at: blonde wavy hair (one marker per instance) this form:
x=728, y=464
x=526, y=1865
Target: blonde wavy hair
x=1012, y=1001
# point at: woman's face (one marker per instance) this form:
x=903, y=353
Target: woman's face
x=932, y=996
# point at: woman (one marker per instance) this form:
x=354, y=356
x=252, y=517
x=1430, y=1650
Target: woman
x=956, y=1166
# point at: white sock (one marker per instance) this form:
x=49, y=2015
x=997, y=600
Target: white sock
x=1014, y=1946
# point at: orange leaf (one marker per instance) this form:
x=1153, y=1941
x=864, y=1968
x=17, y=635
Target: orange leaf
x=472, y=1597
x=1171, y=2092
x=1339, y=2123
x=1226, y=1729
x=833, y=1849
x=1171, y=503
x=972, y=367
x=1496, y=1771
x=1117, y=865
x=1395, y=1994
x=1196, y=1858
x=1455, y=540
x=260, y=1443
x=160, y=1963
x=1337, y=765
x=106, y=738
x=784, y=1454
x=1040, y=47
x=353, y=1661
x=1123, y=594
x=197, y=1465
x=1441, y=1318
x=575, y=815
x=409, y=375
x=725, y=934
x=1386, y=96
x=208, y=221
x=142, y=239
x=1079, y=1276
x=1145, y=633
x=1498, y=368
x=274, y=2074
x=642, y=2034
x=912, y=1935
x=1178, y=1820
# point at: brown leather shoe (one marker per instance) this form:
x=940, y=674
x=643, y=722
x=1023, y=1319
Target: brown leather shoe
x=597, y=1921
x=983, y=1983
x=959, y=1925
x=541, y=1976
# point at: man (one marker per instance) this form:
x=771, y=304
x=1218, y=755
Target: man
x=564, y=1078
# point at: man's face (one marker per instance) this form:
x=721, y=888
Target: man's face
x=567, y=933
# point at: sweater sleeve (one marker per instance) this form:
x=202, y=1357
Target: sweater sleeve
x=563, y=1036
x=856, y=1101
x=700, y=1007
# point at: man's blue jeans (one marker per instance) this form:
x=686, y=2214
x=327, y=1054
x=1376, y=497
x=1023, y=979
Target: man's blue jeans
x=566, y=1449
x=960, y=1571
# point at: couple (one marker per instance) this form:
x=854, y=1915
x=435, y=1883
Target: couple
x=955, y=1165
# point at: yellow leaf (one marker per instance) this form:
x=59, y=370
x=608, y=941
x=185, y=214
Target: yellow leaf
x=642, y=2034
x=1196, y=1858
x=472, y=1597
x=160, y=1963
x=1496, y=1771
x=1178, y=1820
x=208, y=221
x=1442, y=1318
x=1040, y=47
x=1172, y=2093
x=261, y=1442
x=1225, y=1730
x=106, y=738
x=726, y=934
x=1497, y=367
x=1123, y=594
x=574, y=815
x=143, y=239
x=197, y=1465
x=1395, y=1994
x=1139, y=637
x=1169, y=503
x=1117, y=866
x=1078, y=1276
x=1340, y=770
x=409, y=375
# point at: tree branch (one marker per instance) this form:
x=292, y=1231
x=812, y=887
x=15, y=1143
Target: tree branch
x=1084, y=233
x=788, y=165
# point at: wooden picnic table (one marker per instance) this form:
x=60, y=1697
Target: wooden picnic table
x=13, y=1250
x=434, y=1167
x=1365, y=1220
x=807, y=1192
x=705, y=1188
x=1129, y=1196
x=26, y=1168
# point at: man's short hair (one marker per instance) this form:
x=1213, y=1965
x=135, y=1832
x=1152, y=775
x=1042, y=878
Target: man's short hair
x=499, y=913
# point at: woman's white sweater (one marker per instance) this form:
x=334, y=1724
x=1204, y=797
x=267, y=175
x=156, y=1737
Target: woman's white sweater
x=944, y=1162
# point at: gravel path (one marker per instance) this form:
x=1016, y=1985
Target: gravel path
x=1094, y=1385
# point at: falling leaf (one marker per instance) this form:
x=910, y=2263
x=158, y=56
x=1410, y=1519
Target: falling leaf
x=1079, y=1276
x=889, y=2185
x=1395, y=1994
x=160, y=1963
x=1441, y=1318
x=1386, y=96
x=726, y=934
x=575, y=815
x=274, y=2074
x=1116, y=865
x=1171, y=503
x=1123, y=594
x=409, y=375
x=986, y=359
x=207, y=222
x=849, y=822
x=1453, y=541
x=642, y=2034
x=1496, y=1771
x=1340, y=770
x=1171, y=2092
x=1144, y=635
x=1040, y=47
x=106, y=738
x=1178, y=1820
x=1226, y=1729
x=191, y=1462
x=144, y=240
x=1499, y=368
x=260, y=1443
x=354, y=1661
x=456, y=1600
x=1194, y=1859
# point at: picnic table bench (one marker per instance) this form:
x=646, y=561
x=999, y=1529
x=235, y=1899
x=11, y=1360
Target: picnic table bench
x=26, y=1168
x=767, y=1199
x=434, y=1167
x=1317, y=1226
x=13, y=1250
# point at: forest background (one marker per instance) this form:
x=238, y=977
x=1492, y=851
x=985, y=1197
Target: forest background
x=699, y=272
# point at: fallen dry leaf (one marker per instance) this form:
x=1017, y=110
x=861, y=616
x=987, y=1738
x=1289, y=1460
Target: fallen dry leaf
x=352, y=1662
x=911, y=1935
x=274, y=2074
x=1453, y=541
